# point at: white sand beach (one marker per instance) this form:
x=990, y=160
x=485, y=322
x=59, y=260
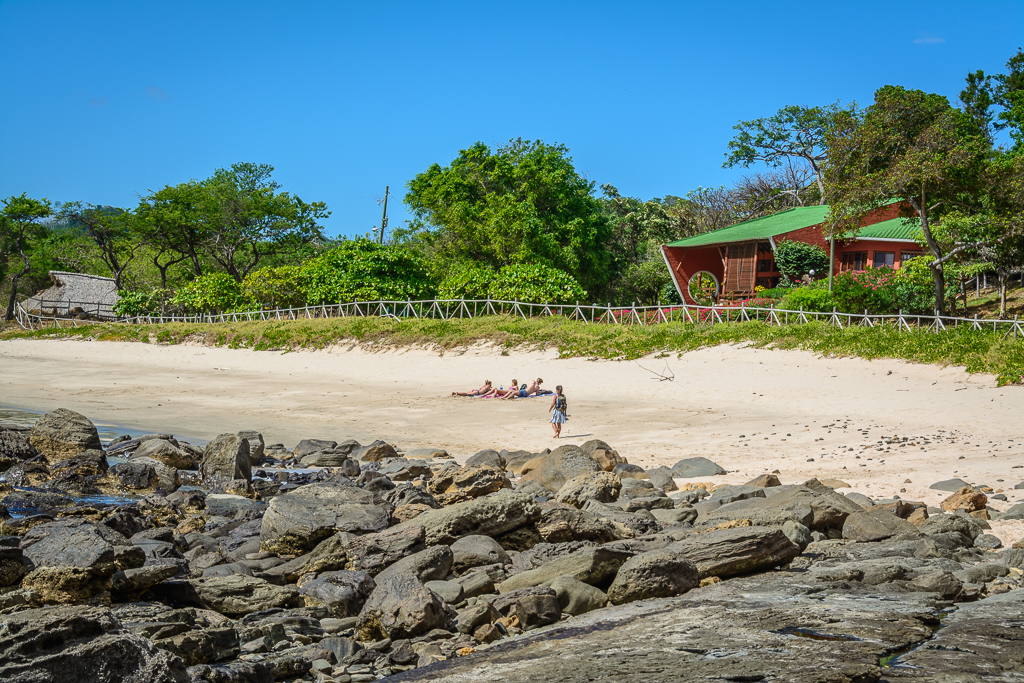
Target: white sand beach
x=749, y=410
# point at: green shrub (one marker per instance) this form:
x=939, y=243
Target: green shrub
x=882, y=290
x=467, y=281
x=139, y=303
x=361, y=270
x=808, y=299
x=796, y=259
x=273, y=287
x=211, y=293
x=775, y=294
x=535, y=283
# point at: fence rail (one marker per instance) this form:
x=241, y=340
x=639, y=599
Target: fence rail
x=447, y=309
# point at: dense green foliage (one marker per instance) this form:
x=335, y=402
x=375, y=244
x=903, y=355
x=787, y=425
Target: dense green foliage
x=796, y=259
x=361, y=270
x=808, y=299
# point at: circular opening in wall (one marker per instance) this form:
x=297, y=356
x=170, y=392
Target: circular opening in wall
x=703, y=288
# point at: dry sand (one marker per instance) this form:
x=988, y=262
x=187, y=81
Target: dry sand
x=750, y=410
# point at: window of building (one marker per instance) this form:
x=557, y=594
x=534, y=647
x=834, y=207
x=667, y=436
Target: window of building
x=854, y=260
x=908, y=255
x=884, y=258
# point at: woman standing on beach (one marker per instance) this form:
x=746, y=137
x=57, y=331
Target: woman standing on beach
x=558, y=408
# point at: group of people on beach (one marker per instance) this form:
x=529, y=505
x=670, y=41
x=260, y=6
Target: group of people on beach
x=516, y=390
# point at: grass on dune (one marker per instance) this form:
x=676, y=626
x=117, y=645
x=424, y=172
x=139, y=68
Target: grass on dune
x=978, y=351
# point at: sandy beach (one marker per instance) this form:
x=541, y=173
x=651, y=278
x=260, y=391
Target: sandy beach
x=873, y=424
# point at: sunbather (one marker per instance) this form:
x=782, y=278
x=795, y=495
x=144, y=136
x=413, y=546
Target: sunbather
x=486, y=390
x=533, y=388
x=511, y=392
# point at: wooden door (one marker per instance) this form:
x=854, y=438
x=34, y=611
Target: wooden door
x=742, y=268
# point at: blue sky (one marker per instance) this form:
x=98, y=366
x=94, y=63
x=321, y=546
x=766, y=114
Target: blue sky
x=105, y=100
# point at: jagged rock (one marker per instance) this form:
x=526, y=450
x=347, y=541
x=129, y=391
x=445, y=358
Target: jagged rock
x=226, y=458
x=487, y=516
x=15, y=447
x=165, y=452
x=233, y=672
x=967, y=499
x=62, y=434
x=592, y=566
x=64, y=644
x=601, y=453
x=561, y=524
x=654, y=574
x=487, y=457
x=76, y=542
x=130, y=584
x=534, y=611
x=375, y=452
x=296, y=521
x=764, y=481
x=875, y=525
x=453, y=484
x=432, y=564
x=600, y=486
x=575, y=597
x=238, y=595
x=257, y=447
x=559, y=466
x=68, y=585
x=145, y=475
x=342, y=592
x=690, y=468
x=202, y=646
x=476, y=551
x=401, y=607
x=373, y=552
x=731, y=552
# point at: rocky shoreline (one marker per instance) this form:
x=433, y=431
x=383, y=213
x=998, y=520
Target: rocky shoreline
x=347, y=562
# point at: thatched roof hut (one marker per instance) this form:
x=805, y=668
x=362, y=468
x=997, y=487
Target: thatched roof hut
x=75, y=294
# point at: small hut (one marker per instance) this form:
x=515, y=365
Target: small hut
x=75, y=294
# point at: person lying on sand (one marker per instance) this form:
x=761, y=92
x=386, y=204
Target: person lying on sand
x=486, y=390
x=533, y=389
x=511, y=392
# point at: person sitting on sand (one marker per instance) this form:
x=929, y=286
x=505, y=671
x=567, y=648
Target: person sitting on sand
x=558, y=408
x=511, y=392
x=486, y=390
x=533, y=389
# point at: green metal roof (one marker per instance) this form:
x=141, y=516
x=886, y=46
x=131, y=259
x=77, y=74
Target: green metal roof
x=759, y=228
x=895, y=229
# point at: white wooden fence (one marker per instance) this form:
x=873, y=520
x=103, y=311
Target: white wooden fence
x=447, y=309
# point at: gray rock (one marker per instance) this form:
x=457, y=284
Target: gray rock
x=15, y=447
x=662, y=478
x=559, y=466
x=691, y=468
x=487, y=457
x=343, y=592
x=64, y=644
x=627, y=471
x=432, y=564
x=475, y=583
x=476, y=551
x=427, y=453
x=474, y=616
x=76, y=542
x=375, y=452
x=982, y=573
x=487, y=516
x=606, y=457
x=818, y=510
x=232, y=672
x=675, y=516
x=860, y=499
x=165, y=452
x=332, y=457
x=575, y=597
x=256, y=445
x=593, y=566
x=132, y=583
x=401, y=607
x=941, y=582
x=534, y=611
x=238, y=595
x=875, y=525
x=600, y=486
x=654, y=574
x=450, y=591
x=297, y=521
x=731, y=552
x=373, y=552
x=145, y=474
x=453, y=484
x=63, y=434
x=797, y=533
x=307, y=446
x=1013, y=512
x=949, y=485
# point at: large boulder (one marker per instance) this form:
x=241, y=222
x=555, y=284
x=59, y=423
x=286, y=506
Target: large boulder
x=373, y=552
x=593, y=566
x=297, y=521
x=375, y=452
x=601, y=486
x=487, y=516
x=690, y=468
x=562, y=524
x=968, y=499
x=62, y=434
x=401, y=607
x=453, y=484
x=476, y=551
x=818, y=509
x=601, y=453
x=225, y=459
x=875, y=525
x=145, y=475
x=741, y=550
x=237, y=595
x=254, y=440
x=342, y=592
x=165, y=452
x=654, y=574
x=432, y=564
x=65, y=644
x=307, y=446
x=487, y=457
x=559, y=466
x=76, y=542
x=14, y=446
x=575, y=597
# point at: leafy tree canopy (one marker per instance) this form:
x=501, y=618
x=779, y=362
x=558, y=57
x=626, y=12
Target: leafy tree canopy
x=362, y=270
x=795, y=259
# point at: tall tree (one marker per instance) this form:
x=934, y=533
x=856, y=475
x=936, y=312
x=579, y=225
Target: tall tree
x=518, y=203
x=172, y=222
x=1008, y=93
x=793, y=133
x=250, y=221
x=20, y=224
x=110, y=229
x=912, y=147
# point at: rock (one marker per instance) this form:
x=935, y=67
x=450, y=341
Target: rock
x=145, y=475
x=724, y=495
x=654, y=574
x=488, y=457
x=476, y=583
x=941, y=582
x=675, y=516
x=764, y=481
x=226, y=458
x=875, y=525
x=297, y=521
x=534, y=611
x=635, y=523
x=575, y=597
x=949, y=485
x=861, y=499
x=819, y=510
x=233, y=672
x=476, y=551
x=307, y=446
x=373, y=552
x=487, y=516
x=797, y=533
x=26, y=501
x=516, y=460
x=835, y=483
x=15, y=447
x=238, y=595
x=342, y=593
x=427, y=454
x=67, y=586
x=593, y=566
x=967, y=499
x=558, y=525
x=559, y=466
x=129, y=584
x=375, y=452
x=432, y=564
x=601, y=453
x=600, y=486
x=62, y=434
x=334, y=458
x=400, y=469
x=401, y=607
x=473, y=617
x=453, y=484
x=449, y=591
x=202, y=646
x=626, y=471
x=742, y=550
x=76, y=542
x=165, y=452
x=256, y=445
x=661, y=477
x=66, y=644
x=696, y=467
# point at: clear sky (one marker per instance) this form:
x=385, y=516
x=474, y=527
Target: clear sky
x=102, y=101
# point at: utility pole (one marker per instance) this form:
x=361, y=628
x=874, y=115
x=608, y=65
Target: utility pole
x=384, y=219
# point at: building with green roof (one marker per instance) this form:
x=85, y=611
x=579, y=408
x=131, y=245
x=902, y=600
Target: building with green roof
x=731, y=262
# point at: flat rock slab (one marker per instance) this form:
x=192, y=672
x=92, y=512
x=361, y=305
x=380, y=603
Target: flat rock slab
x=696, y=467
x=950, y=485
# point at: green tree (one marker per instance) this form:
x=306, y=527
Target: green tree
x=1008, y=93
x=171, y=221
x=796, y=259
x=362, y=270
x=20, y=224
x=912, y=147
x=793, y=133
x=521, y=203
x=249, y=220
x=111, y=230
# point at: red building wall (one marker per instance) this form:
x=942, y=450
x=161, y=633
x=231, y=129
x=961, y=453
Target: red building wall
x=684, y=263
